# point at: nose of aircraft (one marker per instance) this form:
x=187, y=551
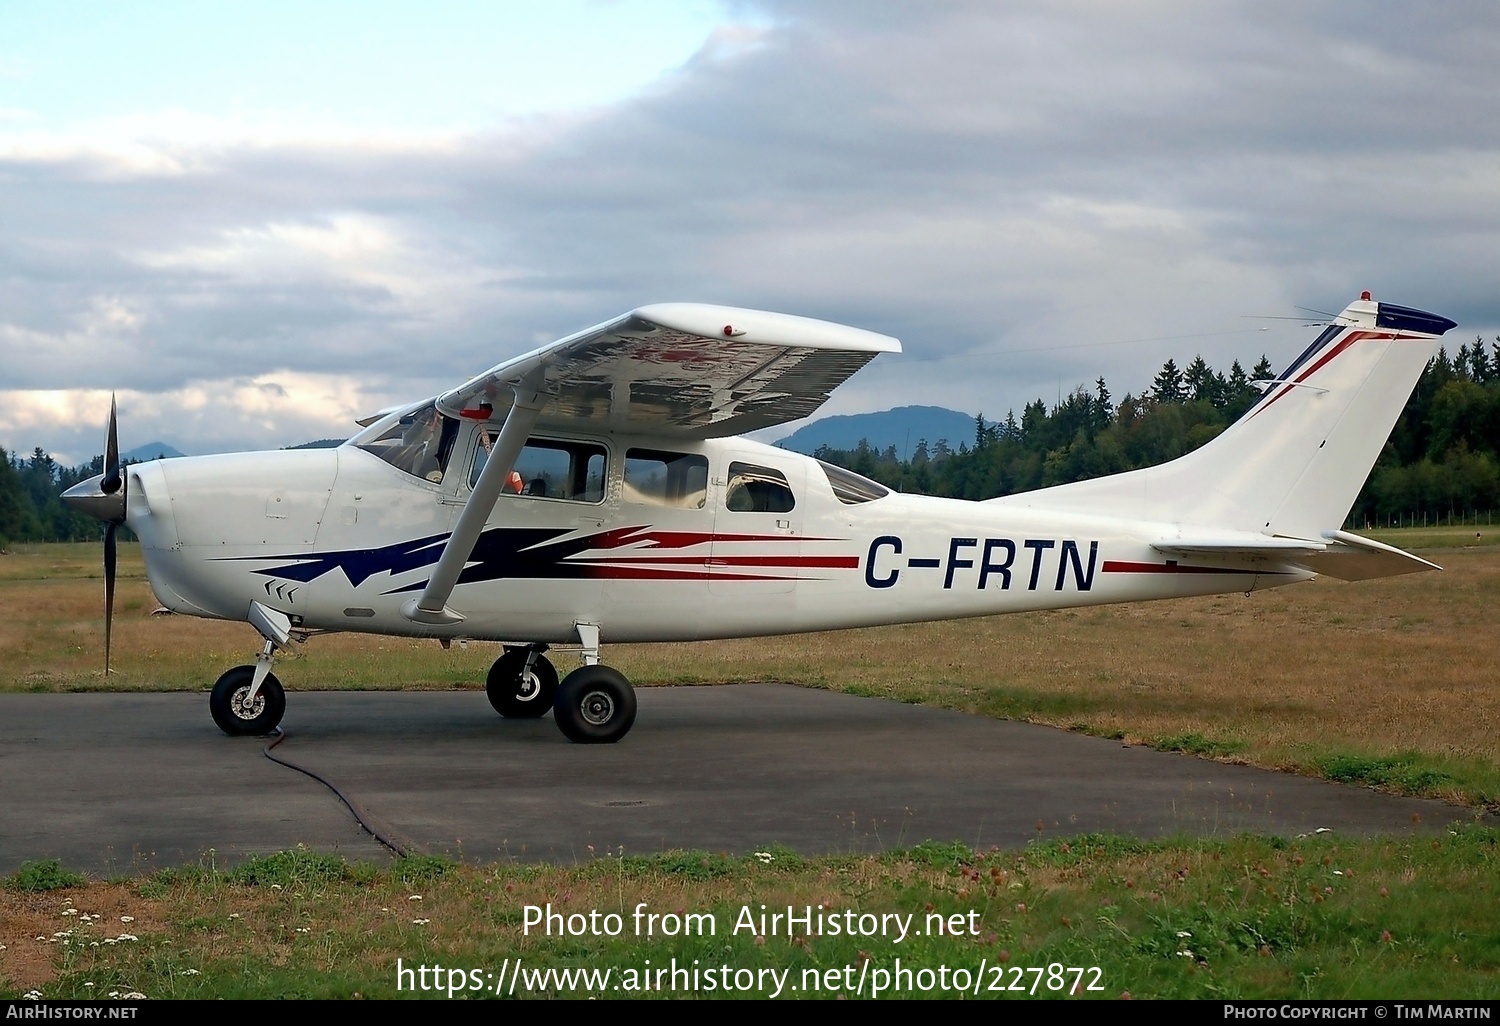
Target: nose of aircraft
x=90, y=497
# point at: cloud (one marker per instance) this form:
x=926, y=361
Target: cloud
x=1011, y=189
x=282, y=409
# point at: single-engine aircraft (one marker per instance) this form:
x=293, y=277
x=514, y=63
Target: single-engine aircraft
x=594, y=489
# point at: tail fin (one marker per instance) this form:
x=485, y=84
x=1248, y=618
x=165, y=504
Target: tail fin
x=1293, y=465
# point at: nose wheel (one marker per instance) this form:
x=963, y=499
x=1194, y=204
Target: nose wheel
x=237, y=713
x=521, y=684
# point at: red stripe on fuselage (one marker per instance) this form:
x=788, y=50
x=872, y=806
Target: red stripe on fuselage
x=646, y=537
x=1121, y=566
x=646, y=573
x=785, y=561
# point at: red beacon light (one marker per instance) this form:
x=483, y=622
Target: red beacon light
x=480, y=412
x=1365, y=295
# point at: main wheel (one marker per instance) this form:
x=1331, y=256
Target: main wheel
x=594, y=705
x=236, y=716
x=518, y=693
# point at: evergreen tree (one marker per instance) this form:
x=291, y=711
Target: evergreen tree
x=1167, y=388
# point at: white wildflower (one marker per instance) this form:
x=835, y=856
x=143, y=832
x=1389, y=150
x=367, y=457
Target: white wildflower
x=132, y=995
x=415, y=897
x=127, y=919
x=32, y=995
x=420, y=922
x=191, y=972
x=765, y=857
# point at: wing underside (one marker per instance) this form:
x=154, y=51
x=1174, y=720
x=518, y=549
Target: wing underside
x=699, y=371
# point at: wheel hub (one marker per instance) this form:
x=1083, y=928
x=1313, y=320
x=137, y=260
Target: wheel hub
x=530, y=687
x=597, y=707
x=243, y=707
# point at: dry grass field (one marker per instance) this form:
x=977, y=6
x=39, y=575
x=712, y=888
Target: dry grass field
x=1384, y=682
x=1390, y=681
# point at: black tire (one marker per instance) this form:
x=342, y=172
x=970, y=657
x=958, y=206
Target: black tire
x=519, y=695
x=595, y=705
x=227, y=703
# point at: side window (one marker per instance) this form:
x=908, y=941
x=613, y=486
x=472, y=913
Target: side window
x=666, y=478
x=552, y=470
x=755, y=489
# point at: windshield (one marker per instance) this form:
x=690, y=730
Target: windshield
x=417, y=442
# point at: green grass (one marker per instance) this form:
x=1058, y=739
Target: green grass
x=1246, y=917
x=43, y=875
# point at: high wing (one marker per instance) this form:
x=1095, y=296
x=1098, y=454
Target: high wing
x=675, y=368
x=682, y=368
x=1341, y=555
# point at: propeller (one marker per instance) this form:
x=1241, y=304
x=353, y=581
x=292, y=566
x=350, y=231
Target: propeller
x=104, y=498
x=111, y=484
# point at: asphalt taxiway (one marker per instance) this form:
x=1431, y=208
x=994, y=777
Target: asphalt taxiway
x=119, y=783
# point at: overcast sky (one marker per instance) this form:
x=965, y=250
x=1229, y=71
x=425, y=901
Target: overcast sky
x=256, y=222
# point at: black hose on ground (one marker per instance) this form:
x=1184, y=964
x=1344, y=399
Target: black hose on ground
x=399, y=849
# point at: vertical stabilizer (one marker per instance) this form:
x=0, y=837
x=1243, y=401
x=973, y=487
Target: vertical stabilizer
x=1293, y=465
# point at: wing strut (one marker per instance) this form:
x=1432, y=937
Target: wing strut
x=432, y=606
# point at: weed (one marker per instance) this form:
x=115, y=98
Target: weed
x=44, y=875
x=288, y=868
x=415, y=869
x=1197, y=744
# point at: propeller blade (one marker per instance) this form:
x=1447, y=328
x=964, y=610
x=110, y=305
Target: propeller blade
x=111, y=482
x=109, y=589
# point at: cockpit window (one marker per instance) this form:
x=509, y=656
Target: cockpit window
x=755, y=489
x=419, y=442
x=548, y=469
x=850, y=488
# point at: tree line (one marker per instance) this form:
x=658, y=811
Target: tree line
x=1442, y=461
x=31, y=506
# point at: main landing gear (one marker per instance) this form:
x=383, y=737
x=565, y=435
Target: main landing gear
x=594, y=704
x=522, y=683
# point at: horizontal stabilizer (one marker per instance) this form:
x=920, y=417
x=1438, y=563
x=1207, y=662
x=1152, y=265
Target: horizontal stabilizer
x=1341, y=555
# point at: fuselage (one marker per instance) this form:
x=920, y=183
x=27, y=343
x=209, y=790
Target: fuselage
x=651, y=539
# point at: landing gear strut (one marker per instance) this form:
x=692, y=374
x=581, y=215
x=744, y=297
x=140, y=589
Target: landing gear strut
x=249, y=699
x=595, y=704
x=522, y=683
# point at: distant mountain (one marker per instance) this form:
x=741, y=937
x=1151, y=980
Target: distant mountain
x=902, y=427
x=321, y=443
x=149, y=451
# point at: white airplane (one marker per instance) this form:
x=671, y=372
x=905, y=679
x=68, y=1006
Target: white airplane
x=592, y=490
